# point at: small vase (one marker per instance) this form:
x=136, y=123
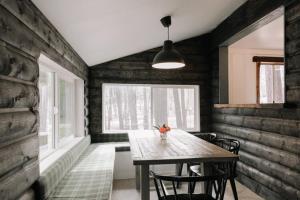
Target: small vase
x=163, y=136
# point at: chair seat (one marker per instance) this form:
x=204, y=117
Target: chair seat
x=196, y=169
x=187, y=197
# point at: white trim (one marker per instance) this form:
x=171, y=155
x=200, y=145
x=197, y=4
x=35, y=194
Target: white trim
x=77, y=99
x=53, y=66
x=54, y=156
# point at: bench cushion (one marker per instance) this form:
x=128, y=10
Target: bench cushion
x=54, y=174
x=91, y=177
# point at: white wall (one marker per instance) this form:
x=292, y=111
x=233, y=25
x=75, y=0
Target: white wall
x=124, y=168
x=242, y=73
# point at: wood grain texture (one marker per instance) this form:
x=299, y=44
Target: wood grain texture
x=286, y=191
x=16, y=155
x=14, y=64
x=24, y=34
x=18, y=182
x=180, y=146
x=14, y=125
x=282, y=126
x=270, y=139
x=34, y=20
x=16, y=95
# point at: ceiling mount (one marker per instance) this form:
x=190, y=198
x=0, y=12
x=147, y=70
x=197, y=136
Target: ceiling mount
x=166, y=21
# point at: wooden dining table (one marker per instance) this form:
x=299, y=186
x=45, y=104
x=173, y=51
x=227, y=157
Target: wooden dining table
x=147, y=148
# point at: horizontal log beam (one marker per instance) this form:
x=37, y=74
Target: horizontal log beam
x=259, y=188
x=15, y=65
x=16, y=95
x=284, y=158
x=280, y=113
x=17, y=125
x=282, y=142
x=272, y=169
x=272, y=183
x=19, y=180
x=16, y=155
x=16, y=34
x=26, y=12
x=282, y=126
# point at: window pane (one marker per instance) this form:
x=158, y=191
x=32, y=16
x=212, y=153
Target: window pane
x=174, y=106
x=132, y=107
x=266, y=83
x=126, y=107
x=278, y=83
x=271, y=83
x=46, y=91
x=66, y=111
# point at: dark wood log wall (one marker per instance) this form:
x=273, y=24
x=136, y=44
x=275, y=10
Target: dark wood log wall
x=24, y=34
x=137, y=69
x=270, y=137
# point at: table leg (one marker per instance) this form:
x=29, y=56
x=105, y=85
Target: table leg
x=145, y=187
x=137, y=177
x=206, y=171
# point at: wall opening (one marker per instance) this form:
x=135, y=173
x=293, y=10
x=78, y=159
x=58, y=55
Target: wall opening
x=246, y=80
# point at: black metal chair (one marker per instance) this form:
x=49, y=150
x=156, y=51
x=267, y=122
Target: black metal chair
x=163, y=193
x=229, y=168
x=207, y=137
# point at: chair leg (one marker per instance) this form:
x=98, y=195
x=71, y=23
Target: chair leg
x=191, y=185
x=233, y=187
x=179, y=167
x=222, y=190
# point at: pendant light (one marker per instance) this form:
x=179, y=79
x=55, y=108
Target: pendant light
x=168, y=57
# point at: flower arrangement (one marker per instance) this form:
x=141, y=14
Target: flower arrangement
x=163, y=130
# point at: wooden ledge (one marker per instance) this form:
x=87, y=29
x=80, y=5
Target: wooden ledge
x=277, y=105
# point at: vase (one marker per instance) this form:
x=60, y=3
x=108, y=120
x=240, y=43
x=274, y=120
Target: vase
x=163, y=136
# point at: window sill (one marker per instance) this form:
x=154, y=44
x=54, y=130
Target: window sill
x=53, y=157
x=275, y=105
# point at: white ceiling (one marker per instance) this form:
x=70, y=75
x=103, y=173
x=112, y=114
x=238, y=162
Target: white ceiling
x=270, y=36
x=103, y=30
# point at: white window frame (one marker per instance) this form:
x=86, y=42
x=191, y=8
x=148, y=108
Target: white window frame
x=60, y=73
x=197, y=103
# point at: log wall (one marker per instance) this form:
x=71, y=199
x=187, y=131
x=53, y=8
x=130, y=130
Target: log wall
x=24, y=34
x=137, y=69
x=270, y=137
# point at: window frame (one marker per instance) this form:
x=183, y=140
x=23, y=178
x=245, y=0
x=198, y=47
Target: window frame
x=196, y=103
x=59, y=73
x=260, y=60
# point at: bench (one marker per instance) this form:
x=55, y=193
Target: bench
x=84, y=172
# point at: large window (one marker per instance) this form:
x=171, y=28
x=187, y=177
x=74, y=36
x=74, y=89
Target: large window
x=132, y=107
x=57, y=89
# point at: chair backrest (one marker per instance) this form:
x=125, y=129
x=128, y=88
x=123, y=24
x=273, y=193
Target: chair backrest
x=231, y=145
x=162, y=192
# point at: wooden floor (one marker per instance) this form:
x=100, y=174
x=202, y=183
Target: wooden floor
x=123, y=189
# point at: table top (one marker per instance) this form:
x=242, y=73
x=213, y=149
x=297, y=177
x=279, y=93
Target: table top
x=180, y=146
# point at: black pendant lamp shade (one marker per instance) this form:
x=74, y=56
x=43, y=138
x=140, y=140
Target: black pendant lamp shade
x=168, y=57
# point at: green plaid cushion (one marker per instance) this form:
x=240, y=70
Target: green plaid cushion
x=54, y=174
x=91, y=177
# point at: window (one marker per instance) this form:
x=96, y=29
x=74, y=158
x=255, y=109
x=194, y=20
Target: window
x=270, y=80
x=57, y=89
x=132, y=107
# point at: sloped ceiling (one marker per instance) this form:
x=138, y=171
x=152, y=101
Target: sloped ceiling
x=103, y=30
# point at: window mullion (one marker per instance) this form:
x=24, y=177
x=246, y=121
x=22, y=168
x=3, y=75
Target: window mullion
x=56, y=113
